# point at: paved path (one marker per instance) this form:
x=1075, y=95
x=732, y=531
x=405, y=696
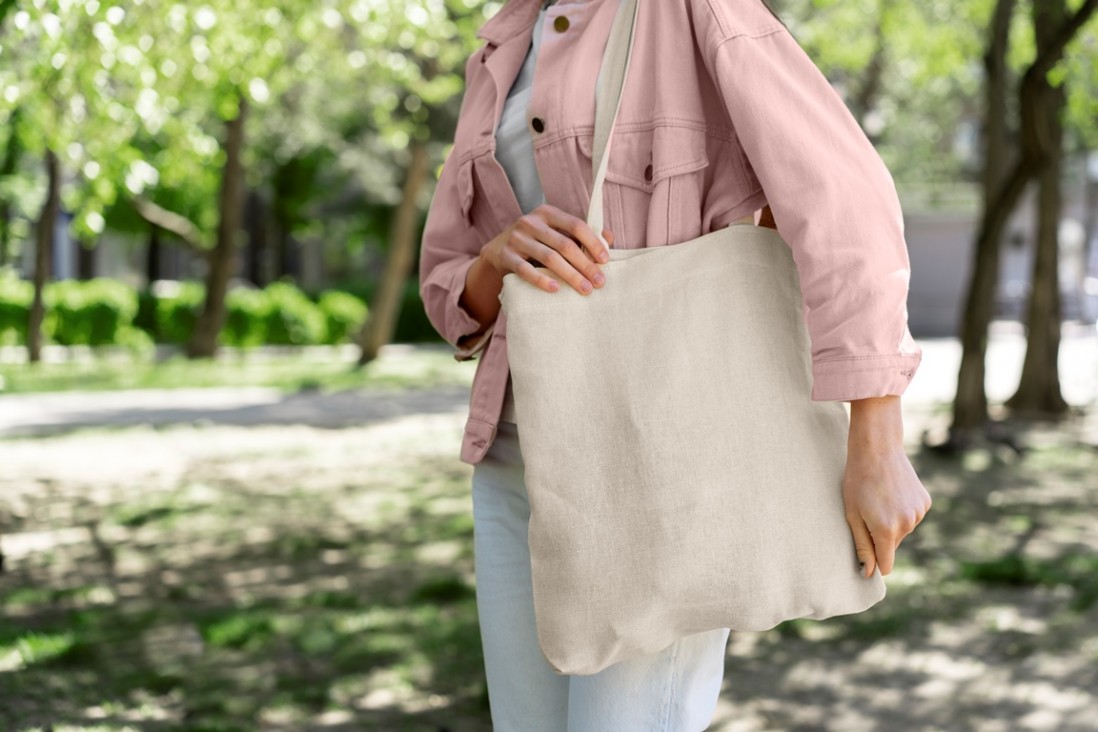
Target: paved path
x=44, y=414
x=41, y=414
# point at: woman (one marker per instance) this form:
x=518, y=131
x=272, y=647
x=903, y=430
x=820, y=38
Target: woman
x=722, y=117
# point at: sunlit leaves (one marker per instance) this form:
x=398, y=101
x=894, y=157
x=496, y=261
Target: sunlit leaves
x=932, y=72
x=1081, y=67
x=125, y=88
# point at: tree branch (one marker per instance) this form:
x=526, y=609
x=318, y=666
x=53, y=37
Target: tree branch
x=171, y=222
x=1055, y=49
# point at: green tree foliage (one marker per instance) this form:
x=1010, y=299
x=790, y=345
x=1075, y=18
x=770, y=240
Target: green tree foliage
x=133, y=97
x=913, y=74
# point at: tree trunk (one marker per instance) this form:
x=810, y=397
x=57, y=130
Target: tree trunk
x=222, y=259
x=289, y=263
x=256, y=219
x=284, y=216
x=385, y=310
x=864, y=99
x=43, y=255
x=5, y=233
x=1090, y=223
x=11, y=159
x=1039, y=388
x=86, y=259
x=154, y=256
x=970, y=401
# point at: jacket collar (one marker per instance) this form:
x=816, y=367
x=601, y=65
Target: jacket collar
x=514, y=17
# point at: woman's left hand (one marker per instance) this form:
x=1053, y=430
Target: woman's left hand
x=884, y=499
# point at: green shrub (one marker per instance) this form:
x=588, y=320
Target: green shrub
x=413, y=325
x=294, y=319
x=177, y=310
x=344, y=315
x=145, y=319
x=139, y=343
x=88, y=312
x=249, y=312
x=104, y=311
x=15, y=303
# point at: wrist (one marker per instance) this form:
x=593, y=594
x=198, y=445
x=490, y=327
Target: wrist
x=487, y=269
x=480, y=295
x=876, y=423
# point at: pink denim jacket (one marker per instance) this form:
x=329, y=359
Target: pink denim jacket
x=722, y=113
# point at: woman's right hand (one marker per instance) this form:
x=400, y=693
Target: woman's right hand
x=563, y=243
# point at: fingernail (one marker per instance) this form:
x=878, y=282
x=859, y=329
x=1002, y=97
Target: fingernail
x=599, y=278
x=586, y=286
x=604, y=256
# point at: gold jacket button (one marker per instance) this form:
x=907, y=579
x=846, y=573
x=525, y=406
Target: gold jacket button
x=561, y=23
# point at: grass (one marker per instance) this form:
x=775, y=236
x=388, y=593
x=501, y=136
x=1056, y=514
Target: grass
x=1076, y=571
x=323, y=634
x=293, y=578
x=285, y=369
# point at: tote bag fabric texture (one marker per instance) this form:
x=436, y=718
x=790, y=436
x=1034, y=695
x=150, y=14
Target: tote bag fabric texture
x=680, y=477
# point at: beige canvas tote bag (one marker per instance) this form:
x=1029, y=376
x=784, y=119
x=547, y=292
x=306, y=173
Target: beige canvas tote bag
x=680, y=477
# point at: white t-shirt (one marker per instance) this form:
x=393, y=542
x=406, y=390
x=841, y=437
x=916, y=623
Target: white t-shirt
x=515, y=151
x=514, y=147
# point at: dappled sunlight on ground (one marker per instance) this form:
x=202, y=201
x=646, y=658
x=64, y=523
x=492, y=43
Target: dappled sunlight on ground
x=240, y=576
x=990, y=622
x=308, y=565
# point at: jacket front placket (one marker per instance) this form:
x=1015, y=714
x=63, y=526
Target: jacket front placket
x=508, y=43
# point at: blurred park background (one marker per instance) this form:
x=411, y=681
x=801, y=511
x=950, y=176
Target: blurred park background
x=230, y=497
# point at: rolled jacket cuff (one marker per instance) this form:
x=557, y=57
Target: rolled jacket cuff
x=467, y=352
x=463, y=323
x=863, y=377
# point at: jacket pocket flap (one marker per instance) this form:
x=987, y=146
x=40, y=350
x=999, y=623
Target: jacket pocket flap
x=643, y=157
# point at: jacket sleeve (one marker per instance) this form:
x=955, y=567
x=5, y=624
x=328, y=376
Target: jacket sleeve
x=833, y=198
x=448, y=248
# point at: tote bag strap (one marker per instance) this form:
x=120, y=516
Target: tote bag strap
x=615, y=62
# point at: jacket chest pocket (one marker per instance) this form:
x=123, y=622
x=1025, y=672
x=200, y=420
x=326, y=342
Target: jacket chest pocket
x=654, y=184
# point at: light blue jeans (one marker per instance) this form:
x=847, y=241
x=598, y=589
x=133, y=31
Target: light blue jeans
x=675, y=690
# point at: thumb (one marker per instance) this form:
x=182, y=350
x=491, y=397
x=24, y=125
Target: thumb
x=608, y=236
x=863, y=544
